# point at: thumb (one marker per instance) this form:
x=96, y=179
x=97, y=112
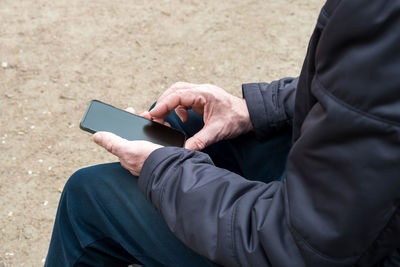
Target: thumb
x=200, y=140
x=111, y=142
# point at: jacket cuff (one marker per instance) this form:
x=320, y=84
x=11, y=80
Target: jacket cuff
x=150, y=165
x=257, y=108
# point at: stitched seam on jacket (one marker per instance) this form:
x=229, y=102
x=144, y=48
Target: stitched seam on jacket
x=236, y=254
x=163, y=184
x=298, y=236
x=385, y=228
x=323, y=16
x=348, y=106
x=163, y=189
x=233, y=222
x=278, y=114
x=317, y=252
x=264, y=104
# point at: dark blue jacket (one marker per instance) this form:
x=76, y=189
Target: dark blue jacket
x=339, y=204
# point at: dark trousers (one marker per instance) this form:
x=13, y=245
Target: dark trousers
x=103, y=219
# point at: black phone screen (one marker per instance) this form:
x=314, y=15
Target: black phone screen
x=104, y=117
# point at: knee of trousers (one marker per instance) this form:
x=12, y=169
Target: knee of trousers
x=85, y=202
x=82, y=183
x=87, y=188
x=100, y=188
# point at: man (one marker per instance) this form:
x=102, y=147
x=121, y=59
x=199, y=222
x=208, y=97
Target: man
x=336, y=203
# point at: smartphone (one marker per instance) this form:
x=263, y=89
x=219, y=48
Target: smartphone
x=100, y=116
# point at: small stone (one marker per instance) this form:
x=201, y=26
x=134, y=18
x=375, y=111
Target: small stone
x=30, y=172
x=26, y=118
x=33, y=127
x=43, y=260
x=10, y=214
x=40, y=161
x=21, y=133
x=49, y=168
x=3, y=142
x=13, y=158
x=4, y=64
x=45, y=203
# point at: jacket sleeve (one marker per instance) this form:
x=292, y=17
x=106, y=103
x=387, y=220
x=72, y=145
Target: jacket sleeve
x=270, y=105
x=217, y=213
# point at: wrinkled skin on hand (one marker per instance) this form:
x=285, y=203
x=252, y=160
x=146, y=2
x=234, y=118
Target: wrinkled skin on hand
x=225, y=116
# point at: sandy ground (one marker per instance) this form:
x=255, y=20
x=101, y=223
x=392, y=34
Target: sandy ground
x=58, y=55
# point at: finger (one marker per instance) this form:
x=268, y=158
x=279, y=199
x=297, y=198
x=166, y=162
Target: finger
x=201, y=139
x=146, y=115
x=188, y=99
x=158, y=120
x=176, y=86
x=162, y=122
x=111, y=142
x=131, y=110
x=182, y=113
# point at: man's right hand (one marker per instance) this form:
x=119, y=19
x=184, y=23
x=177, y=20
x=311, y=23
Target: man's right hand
x=225, y=116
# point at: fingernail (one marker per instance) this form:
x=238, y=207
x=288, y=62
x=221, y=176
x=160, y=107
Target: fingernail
x=97, y=137
x=146, y=114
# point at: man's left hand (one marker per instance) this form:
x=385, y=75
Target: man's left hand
x=132, y=154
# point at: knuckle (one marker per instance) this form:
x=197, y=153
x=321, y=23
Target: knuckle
x=199, y=143
x=116, y=150
x=130, y=159
x=109, y=147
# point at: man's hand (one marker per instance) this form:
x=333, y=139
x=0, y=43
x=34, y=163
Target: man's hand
x=132, y=154
x=225, y=116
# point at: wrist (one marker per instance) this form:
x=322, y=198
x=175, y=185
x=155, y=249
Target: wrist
x=243, y=115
